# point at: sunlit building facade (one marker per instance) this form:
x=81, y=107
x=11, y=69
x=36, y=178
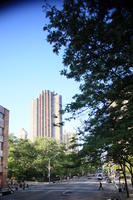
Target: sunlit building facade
x=46, y=117
x=68, y=137
x=4, y=127
x=23, y=134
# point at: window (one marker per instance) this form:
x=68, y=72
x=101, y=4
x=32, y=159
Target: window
x=1, y=131
x=1, y=160
x=2, y=123
x=1, y=115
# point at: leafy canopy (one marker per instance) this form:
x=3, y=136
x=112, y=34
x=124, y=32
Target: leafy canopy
x=97, y=38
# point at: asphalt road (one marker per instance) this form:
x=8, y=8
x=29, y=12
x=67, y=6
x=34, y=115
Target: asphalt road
x=83, y=189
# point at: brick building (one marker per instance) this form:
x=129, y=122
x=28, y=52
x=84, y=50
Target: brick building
x=4, y=126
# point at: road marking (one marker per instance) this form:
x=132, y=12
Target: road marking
x=67, y=192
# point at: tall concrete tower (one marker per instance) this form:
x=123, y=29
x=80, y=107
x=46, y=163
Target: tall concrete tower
x=46, y=116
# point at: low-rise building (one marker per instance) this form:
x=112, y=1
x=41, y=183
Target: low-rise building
x=4, y=127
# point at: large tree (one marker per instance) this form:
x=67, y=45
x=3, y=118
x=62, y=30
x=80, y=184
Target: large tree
x=21, y=158
x=97, y=41
x=97, y=37
x=51, y=154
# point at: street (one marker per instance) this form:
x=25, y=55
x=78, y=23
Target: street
x=83, y=189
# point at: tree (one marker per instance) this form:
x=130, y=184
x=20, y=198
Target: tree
x=21, y=158
x=97, y=38
x=49, y=150
x=30, y=161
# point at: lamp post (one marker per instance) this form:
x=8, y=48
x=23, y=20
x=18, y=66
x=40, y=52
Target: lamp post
x=49, y=168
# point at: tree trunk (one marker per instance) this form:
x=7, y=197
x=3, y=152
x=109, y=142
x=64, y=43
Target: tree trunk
x=125, y=178
x=131, y=172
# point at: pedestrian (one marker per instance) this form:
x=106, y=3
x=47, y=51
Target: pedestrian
x=16, y=186
x=23, y=185
x=123, y=187
x=20, y=185
x=100, y=186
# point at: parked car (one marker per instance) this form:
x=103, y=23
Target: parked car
x=5, y=191
x=55, y=179
x=89, y=177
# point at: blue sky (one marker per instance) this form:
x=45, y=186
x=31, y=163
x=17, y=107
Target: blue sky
x=28, y=64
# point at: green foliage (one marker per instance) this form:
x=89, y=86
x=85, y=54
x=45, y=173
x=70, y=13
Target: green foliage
x=48, y=148
x=97, y=38
x=28, y=160
x=21, y=157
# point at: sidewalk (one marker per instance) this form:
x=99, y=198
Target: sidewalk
x=122, y=194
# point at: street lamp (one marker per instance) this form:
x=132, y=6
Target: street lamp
x=49, y=166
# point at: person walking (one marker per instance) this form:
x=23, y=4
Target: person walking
x=23, y=185
x=100, y=186
x=123, y=187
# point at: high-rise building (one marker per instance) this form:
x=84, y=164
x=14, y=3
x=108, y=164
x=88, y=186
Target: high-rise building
x=46, y=117
x=23, y=134
x=4, y=126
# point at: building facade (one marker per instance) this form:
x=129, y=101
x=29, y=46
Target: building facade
x=68, y=137
x=4, y=127
x=46, y=117
x=23, y=134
